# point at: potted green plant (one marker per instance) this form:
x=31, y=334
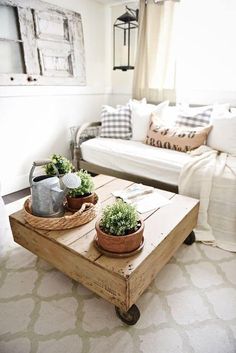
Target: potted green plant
x=62, y=164
x=120, y=230
x=84, y=193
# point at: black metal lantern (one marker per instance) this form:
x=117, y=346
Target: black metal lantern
x=124, y=39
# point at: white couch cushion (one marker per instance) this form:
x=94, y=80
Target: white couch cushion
x=219, y=110
x=223, y=134
x=140, y=117
x=135, y=158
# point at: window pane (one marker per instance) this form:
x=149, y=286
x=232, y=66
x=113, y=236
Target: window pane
x=51, y=26
x=11, y=55
x=121, y=48
x=9, y=22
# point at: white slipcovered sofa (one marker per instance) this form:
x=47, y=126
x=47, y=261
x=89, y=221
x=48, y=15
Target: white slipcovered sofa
x=214, y=182
x=136, y=161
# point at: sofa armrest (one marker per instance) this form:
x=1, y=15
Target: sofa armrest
x=85, y=132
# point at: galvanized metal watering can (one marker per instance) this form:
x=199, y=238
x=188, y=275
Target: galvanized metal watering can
x=47, y=195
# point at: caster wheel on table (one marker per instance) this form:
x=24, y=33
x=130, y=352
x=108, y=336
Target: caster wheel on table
x=129, y=317
x=190, y=239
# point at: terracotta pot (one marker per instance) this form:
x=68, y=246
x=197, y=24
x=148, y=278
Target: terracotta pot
x=75, y=203
x=119, y=243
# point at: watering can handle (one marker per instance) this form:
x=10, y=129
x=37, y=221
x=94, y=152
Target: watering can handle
x=39, y=163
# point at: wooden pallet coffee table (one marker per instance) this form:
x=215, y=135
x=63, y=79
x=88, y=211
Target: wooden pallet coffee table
x=121, y=281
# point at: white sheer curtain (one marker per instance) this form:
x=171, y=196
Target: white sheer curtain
x=154, y=74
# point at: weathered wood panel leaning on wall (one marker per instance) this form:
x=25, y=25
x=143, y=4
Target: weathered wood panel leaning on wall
x=50, y=43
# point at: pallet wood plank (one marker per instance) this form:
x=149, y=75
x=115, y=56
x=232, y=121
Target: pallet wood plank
x=143, y=275
x=101, y=179
x=69, y=236
x=85, y=246
x=115, y=184
x=19, y=216
x=105, y=284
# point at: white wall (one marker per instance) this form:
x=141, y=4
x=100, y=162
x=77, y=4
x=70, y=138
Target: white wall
x=35, y=121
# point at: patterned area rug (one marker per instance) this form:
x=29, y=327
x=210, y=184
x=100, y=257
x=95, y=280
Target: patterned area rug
x=189, y=308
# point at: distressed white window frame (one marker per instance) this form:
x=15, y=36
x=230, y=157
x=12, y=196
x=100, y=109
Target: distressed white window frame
x=38, y=47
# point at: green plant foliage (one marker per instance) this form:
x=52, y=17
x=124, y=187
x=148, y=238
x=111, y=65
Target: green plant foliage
x=62, y=164
x=86, y=186
x=119, y=218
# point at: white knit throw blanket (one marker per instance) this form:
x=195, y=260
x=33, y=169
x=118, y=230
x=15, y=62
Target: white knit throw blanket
x=210, y=176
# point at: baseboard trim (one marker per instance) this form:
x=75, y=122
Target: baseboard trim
x=15, y=196
x=10, y=185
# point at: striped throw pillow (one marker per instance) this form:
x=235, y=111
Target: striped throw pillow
x=116, y=122
x=194, y=117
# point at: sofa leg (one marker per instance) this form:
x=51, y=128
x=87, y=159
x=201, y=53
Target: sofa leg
x=190, y=238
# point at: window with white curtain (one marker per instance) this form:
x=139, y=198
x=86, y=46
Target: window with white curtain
x=206, y=51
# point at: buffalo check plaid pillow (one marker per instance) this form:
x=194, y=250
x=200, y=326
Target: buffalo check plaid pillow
x=116, y=122
x=194, y=117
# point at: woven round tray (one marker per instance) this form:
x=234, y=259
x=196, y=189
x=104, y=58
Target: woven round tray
x=70, y=220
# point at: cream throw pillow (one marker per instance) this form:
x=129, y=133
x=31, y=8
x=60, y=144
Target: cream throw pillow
x=176, y=138
x=166, y=116
x=223, y=135
x=140, y=117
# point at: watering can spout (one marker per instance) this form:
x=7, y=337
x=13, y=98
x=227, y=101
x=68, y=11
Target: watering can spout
x=57, y=198
x=57, y=194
